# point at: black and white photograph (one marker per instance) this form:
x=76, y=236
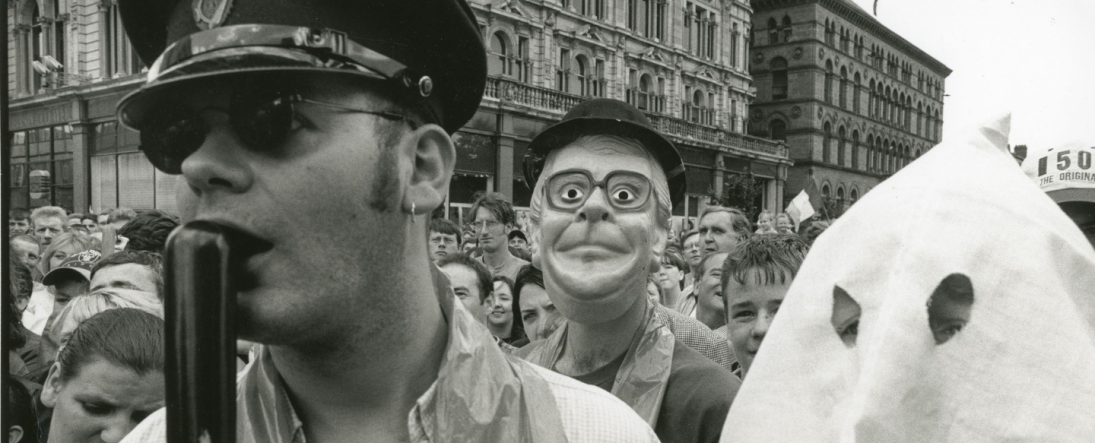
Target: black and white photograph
x=548, y=221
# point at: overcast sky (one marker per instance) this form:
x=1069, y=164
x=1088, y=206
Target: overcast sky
x=1035, y=58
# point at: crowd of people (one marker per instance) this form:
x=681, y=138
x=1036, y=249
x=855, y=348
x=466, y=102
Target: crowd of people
x=79, y=375
x=363, y=318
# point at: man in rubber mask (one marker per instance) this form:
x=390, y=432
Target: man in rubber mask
x=318, y=134
x=605, y=185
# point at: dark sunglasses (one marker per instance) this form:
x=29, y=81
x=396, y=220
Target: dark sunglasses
x=260, y=117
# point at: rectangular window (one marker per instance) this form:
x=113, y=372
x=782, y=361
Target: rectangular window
x=121, y=176
x=632, y=86
x=734, y=47
x=688, y=43
x=42, y=168
x=524, y=62
x=599, y=81
x=659, y=102
x=562, y=74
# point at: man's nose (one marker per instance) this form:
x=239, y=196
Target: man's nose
x=117, y=429
x=595, y=208
x=764, y=320
x=218, y=163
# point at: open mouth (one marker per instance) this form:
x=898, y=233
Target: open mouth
x=242, y=246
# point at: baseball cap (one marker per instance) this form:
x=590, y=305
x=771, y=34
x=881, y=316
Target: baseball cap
x=75, y=266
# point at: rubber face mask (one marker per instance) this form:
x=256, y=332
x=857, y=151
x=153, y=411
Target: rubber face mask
x=953, y=303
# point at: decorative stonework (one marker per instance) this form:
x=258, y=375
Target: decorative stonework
x=796, y=112
x=758, y=57
x=758, y=115
x=798, y=52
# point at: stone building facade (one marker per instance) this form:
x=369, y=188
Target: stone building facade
x=854, y=101
x=683, y=62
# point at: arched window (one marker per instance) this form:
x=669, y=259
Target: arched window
x=855, y=150
x=777, y=130
x=870, y=152
x=779, y=78
x=696, y=105
x=829, y=81
x=871, y=99
x=886, y=108
x=917, y=155
x=773, y=32
x=582, y=71
x=786, y=25
x=500, y=60
x=938, y=124
x=878, y=99
x=855, y=196
x=826, y=143
x=826, y=191
x=855, y=94
x=840, y=133
x=843, y=88
x=919, y=118
x=908, y=112
x=840, y=194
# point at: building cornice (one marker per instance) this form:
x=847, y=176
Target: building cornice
x=861, y=18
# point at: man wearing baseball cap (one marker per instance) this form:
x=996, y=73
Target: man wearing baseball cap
x=319, y=133
x=605, y=185
x=69, y=280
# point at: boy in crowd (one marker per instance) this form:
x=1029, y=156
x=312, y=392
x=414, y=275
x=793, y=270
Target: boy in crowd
x=18, y=222
x=444, y=238
x=755, y=277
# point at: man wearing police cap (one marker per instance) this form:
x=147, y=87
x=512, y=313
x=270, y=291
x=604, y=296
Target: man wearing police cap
x=605, y=185
x=317, y=133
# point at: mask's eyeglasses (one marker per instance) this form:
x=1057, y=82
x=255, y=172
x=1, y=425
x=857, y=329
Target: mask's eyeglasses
x=626, y=191
x=260, y=117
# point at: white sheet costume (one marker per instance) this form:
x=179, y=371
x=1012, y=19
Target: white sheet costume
x=1022, y=368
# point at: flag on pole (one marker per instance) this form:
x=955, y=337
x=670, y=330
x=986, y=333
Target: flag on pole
x=800, y=208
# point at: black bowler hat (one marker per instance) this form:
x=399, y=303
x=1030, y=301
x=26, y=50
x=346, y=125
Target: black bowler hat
x=612, y=117
x=429, y=51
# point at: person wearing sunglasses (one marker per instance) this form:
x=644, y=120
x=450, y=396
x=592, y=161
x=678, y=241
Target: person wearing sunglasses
x=318, y=134
x=605, y=186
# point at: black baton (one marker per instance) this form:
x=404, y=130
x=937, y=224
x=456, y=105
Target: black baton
x=199, y=309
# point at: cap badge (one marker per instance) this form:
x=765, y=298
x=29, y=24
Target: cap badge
x=425, y=86
x=209, y=14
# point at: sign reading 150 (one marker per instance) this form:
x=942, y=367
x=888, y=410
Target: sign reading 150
x=1064, y=161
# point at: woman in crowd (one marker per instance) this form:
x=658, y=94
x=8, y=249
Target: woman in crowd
x=538, y=313
x=86, y=306
x=63, y=246
x=500, y=307
x=784, y=224
x=107, y=378
x=654, y=290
